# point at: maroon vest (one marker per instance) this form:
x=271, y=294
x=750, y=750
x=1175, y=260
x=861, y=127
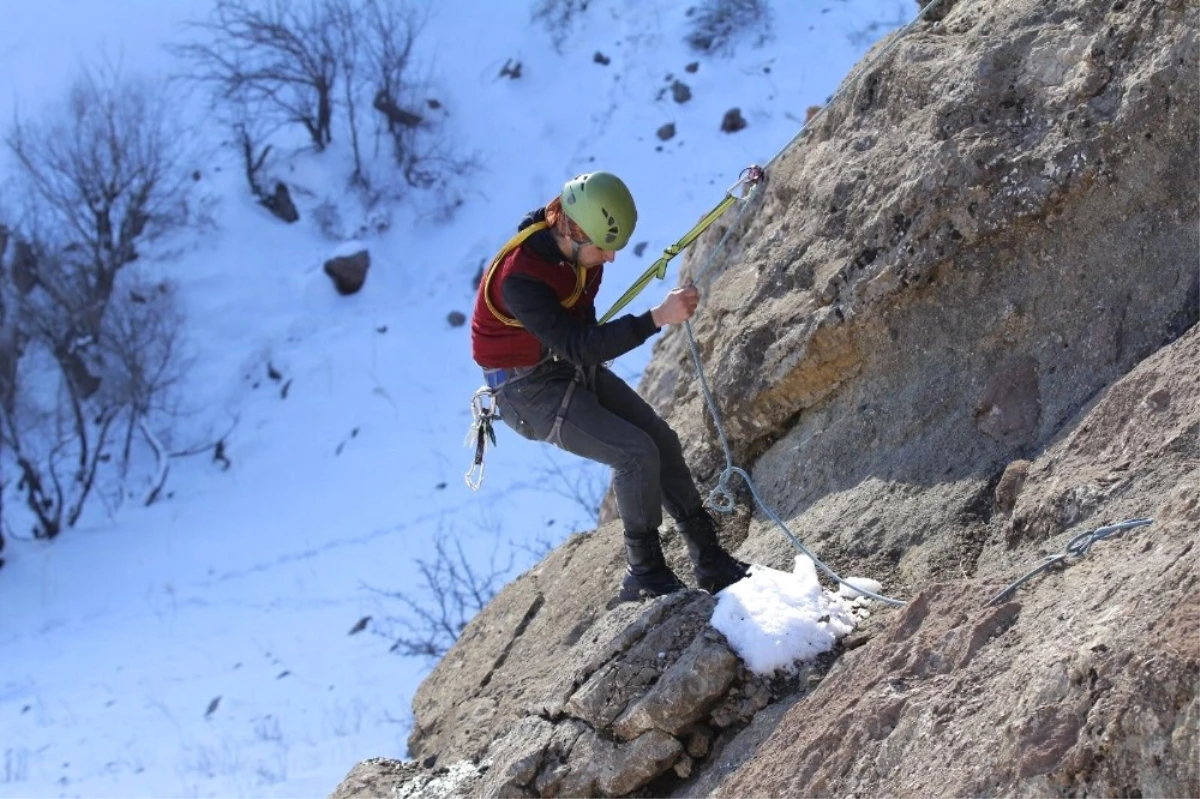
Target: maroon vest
x=495, y=345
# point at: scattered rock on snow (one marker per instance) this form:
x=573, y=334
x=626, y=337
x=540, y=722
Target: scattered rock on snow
x=349, y=272
x=733, y=121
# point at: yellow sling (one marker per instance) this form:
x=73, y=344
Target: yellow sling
x=513, y=243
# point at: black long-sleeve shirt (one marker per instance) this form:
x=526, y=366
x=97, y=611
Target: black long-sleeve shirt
x=535, y=305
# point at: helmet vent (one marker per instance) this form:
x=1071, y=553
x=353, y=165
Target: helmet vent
x=613, y=228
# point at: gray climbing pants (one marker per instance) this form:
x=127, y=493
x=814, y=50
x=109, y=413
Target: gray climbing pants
x=606, y=421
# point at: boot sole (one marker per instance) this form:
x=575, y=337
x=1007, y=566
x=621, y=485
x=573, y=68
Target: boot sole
x=637, y=594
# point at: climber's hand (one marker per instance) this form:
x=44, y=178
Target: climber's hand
x=678, y=307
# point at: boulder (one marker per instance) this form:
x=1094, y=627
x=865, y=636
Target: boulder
x=349, y=272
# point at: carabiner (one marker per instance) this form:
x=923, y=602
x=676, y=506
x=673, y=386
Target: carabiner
x=750, y=177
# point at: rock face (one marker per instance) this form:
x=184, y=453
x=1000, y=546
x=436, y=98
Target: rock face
x=955, y=329
x=1084, y=683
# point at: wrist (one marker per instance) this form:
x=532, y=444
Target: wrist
x=656, y=319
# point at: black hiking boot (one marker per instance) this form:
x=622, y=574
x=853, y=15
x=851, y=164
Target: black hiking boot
x=648, y=574
x=715, y=569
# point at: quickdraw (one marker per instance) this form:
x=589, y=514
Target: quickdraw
x=482, y=431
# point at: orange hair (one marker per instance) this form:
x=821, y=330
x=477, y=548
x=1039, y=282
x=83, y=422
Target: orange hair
x=557, y=219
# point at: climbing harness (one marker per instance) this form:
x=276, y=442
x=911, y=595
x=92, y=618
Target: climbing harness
x=1077, y=547
x=584, y=376
x=751, y=176
x=485, y=412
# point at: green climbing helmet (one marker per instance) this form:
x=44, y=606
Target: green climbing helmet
x=600, y=203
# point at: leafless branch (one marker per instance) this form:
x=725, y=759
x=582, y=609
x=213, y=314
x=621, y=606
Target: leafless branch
x=454, y=589
x=163, y=464
x=584, y=485
x=101, y=170
x=102, y=173
x=281, y=53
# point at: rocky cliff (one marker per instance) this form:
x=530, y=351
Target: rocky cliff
x=955, y=329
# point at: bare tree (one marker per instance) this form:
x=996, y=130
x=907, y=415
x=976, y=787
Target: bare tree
x=343, y=16
x=11, y=337
x=389, y=33
x=558, y=17
x=303, y=61
x=455, y=590
x=100, y=175
x=56, y=437
x=10, y=353
x=250, y=139
x=142, y=363
x=282, y=54
x=717, y=25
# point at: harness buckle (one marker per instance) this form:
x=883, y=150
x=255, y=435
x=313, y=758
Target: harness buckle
x=494, y=378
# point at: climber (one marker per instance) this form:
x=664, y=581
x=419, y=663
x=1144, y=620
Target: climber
x=535, y=335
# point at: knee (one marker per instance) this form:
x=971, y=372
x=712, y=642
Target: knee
x=666, y=438
x=640, y=455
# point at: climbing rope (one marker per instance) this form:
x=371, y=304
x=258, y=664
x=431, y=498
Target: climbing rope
x=722, y=498
x=1077, y=547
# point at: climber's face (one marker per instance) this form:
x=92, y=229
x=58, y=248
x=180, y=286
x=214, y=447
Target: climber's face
x=590, y=255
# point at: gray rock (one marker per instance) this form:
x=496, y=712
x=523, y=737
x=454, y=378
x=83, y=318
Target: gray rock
x=280, y=203
x=613, y=769
x=375, y=777
x=685, y=692
x=733, y=121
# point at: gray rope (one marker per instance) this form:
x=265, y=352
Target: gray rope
x=1077, y=547
x=722, y=497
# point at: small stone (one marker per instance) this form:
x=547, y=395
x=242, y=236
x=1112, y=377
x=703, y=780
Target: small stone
x=733, y=121
x=699, y=741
